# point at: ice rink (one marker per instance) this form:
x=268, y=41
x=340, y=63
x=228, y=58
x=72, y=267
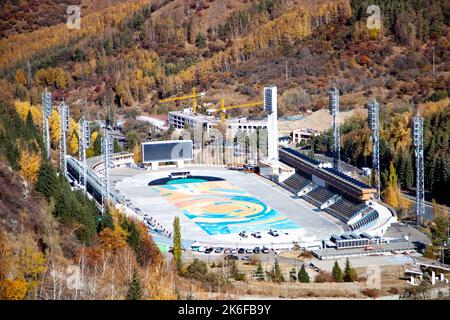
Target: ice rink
x=215, y=212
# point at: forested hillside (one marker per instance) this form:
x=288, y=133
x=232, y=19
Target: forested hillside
x=47, y=230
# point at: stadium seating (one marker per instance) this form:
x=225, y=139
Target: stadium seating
x=318, y=196
x=365, y=221
x=345, y=210
x=297, y=182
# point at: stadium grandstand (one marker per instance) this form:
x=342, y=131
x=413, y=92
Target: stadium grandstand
x=334, y=192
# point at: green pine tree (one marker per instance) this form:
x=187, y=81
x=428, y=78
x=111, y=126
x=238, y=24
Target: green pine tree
x=337, y=273
x=98, y=145
x=177, y=249
x=350, y=274
x=117, y=147
x=303, y=276
x=276, y=274
x=107, y=220
x=134, y=289
x=47, y=180
x=259, y=272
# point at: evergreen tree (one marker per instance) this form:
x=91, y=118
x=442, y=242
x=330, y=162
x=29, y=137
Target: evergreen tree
x=276, y=274
x=409, y=174
x=107, y=220
x=117, y=147
x=133, y=239
x=200, y=41
x=337, y=272
x=134, y=289
x=303, y=276
x=259, y=272
x=47, y=181
x=98, y=145
x=350, y=274
x=177, y=249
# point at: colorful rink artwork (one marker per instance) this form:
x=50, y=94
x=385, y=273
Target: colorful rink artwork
x=219, y=207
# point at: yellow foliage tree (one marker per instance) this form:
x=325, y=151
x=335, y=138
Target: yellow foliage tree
x=137, y=153
x=21, y=77
x=73, y=143
x=13, y=289
x=54, y=123
x=22, y=109
x=29, y=165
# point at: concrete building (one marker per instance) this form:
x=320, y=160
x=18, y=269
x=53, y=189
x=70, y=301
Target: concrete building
x=179, y=120
x=302, y=135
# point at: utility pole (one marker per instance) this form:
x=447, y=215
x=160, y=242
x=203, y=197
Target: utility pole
x=64, y=128
x=47, y=106
x=333, y=95
x=374, y=124
x=420, y=182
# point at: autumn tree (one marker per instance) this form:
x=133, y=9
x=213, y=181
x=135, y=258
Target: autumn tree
x=29, y=163
x=392, y=192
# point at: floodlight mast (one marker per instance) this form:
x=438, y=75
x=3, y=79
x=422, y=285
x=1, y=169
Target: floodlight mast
x=374, y=123
x=84, y=143
x=420, y=181
x=64, y=128
x=333, y=95
x=107, y=152
x=47, y=111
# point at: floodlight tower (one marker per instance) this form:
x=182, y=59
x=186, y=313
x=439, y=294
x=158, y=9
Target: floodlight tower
x=374, y=124
x=420, y=182
x=270, y=106
x=64, y=128
x=84, y=143
x=333, y=94
x=107, y=152
x=47, y=106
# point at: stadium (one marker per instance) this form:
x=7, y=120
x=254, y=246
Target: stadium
x=244, y=193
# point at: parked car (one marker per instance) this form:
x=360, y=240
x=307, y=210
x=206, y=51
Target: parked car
x=241, y=250
x=249, y=250
x=201, y=249
x=257, y=235
x=257, y=250
x=209, y=250
x=226, y=251
x=265, y=250
x=233, y=251
x=245, y=258
x=273, y=233
x=218, y=250
x=243, y=234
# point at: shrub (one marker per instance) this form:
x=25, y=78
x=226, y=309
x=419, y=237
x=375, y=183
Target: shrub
x=372, y=293
x=323, y=277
